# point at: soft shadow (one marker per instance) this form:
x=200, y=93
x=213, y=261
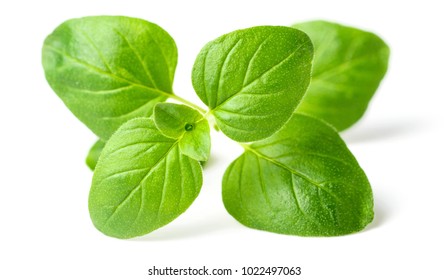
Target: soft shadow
x=369, y=132
x=204, y=226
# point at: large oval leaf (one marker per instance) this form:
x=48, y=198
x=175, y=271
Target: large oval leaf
x=348, y=67
x=141, y=182
x=253, y=79
x=108, y=70
x=302, y=181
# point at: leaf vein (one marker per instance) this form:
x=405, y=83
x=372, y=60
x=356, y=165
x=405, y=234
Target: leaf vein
x=296, y=199
x=220, y=79
x=253, y=58
x=100, y=54
x=263, y=185
x=295, y=172
x=105, y=92
x=222, y=122
x=181, y=179
x=139, y=185
x=140, y=60
x=162, y=197
x=259, y=77
x=135, y=144
x=109, y=176
x=139, y=108
x=248, y=115
x=104, y=73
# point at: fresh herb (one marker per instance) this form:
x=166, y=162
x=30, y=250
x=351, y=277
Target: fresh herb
x=296, y=175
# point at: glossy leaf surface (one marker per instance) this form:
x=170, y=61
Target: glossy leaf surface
x=141, y=182
x=303, y=181
x=253, y=79
x=109, y=69
x=348, y=67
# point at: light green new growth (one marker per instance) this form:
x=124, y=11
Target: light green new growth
x=296, y=175
x=186, y=124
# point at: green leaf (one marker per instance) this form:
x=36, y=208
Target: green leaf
x=303, y=181
x=173, y=120
x=186, y=124
x=109, y=69
x=142, y=181
x=253, y=79
x=348, y=67
x=94, y=154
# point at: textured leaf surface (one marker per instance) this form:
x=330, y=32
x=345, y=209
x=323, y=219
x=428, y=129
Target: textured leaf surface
x=301, y=181
x=94, y=154
x=187, y=125
x=108, y=70
x=253, y=79
x=348, y=67
x=142, y=181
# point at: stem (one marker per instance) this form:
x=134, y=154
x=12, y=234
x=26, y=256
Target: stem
x=245, y=146
x=211, y=120
x=186, y=102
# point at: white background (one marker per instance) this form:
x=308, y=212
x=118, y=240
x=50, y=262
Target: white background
x=45, y=229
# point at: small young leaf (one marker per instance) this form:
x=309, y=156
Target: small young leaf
x=94, y=154
x=142, y=181
x=173, y=120
x=303, y=180
x=186, y=124
x=253, y=79
x=348, y=67
x=109, y=69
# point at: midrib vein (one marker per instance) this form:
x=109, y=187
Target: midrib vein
x=139, y=185
x=110, y=74
x=244, y=87
x=301, y=175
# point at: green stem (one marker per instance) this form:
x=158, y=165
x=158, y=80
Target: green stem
x=186, y=102
x=245, y=146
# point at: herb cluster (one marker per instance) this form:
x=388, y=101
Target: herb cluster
x=281, y=92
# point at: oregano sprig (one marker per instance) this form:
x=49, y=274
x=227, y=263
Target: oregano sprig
x=296, y=175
